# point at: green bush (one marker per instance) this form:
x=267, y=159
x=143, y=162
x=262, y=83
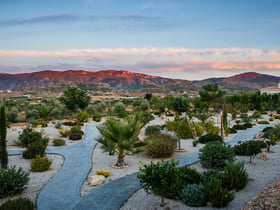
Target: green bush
x=82, y=117
x=161, y=178
x=217, y=195
x=235, y=176
x=193, y=195
x=239, y=127
x=64, y=132
x=58, y=125
x=263, y=122
x=211, y=128
x=12, y=181
x=199, y=129
x=40, y=164
x=18, y=204
x=76, y=133
x=160, y=145
x=103, y=173
x=209, y=138
x=189, y=175
x=58, y=142
x=70, y=123
x=214, y=154
x=172, y=125
x=185, y=129
x=33, y=149
x=267, y=129
x=248, y=125
x=152, y=129
x=232, y=130
x=248, y=148
x=28, y=135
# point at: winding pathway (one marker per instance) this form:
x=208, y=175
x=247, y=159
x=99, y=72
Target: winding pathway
x=63, y=190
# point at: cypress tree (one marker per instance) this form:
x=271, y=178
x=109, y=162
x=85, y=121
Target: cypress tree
x=3, y=132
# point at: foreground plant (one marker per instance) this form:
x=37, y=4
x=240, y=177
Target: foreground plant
x=119, y=136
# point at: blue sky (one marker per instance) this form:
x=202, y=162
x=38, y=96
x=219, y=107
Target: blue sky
x=190, y=39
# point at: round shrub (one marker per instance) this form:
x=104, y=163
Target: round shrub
x=267, y=128
x=239, y=127
x=248, y=125
x=193, y=195
x=28, y=135
x=232, y=130
x=263, y=122
x=12, y=181
x=18, y=204
x=209, y=138
x=33, y=149
x=152, y=129
x=103, y=173
x=211, y=174
x=160, y=145
x=248, y=148
x=40, y=164
x=76, y=133
x=58, y=142
x=214, y=154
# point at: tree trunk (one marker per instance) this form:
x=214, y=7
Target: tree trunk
x=120, y=162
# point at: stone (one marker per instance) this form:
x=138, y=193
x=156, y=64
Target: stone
x=96, y=180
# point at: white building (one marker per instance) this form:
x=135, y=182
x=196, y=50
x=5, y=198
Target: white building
x=271, y=90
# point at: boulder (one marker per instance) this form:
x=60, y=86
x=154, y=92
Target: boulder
x=96, y=180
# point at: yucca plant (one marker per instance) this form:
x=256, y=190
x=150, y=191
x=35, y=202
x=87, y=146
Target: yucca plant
x=235, y=176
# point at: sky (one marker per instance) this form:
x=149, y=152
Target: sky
x=183, y=39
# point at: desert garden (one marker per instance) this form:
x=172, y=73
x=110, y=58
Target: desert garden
x=128, y=135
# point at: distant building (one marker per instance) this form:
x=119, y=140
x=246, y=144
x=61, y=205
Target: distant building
x=271, y=90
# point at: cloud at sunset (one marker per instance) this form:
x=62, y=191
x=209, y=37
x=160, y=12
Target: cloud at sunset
x=162, y=61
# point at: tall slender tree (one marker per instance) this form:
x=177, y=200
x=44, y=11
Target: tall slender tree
x=3, y=133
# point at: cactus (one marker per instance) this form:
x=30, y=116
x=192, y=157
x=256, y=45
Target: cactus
x=3, y=132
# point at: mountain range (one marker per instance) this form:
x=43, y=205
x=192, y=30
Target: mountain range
x=131, y=81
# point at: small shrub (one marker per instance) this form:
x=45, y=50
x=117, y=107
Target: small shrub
x=172, y=125
x=76, y=133
x=271, y=119
x=248, y=125
x=58, y=125
x=160, y=145
x=82, y=117
x=217, y=195
x=232, y=130
x=103, y=172
x=28, y=135
x=193, y=195
x=198, y=129
x=248, y=148
x=211, y=128
x=239, y=127
x=18, y=204
x=185, y=129
x=69, y=123
x=152, y=129
x=209, y=138
x=64, y=132
x=161, y=179
x=12, y=181
x=58, y=142
x=214, y=154
x=195, y=143
x=40, y=164
x=33, y=149
x=263, y=122
x=235, y=176
x=267, y=129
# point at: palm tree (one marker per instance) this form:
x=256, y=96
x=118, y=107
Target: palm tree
x=119, y=136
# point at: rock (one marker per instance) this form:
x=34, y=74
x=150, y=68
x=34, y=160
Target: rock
x=96, y=180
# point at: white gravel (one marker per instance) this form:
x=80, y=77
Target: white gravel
x=37, y=179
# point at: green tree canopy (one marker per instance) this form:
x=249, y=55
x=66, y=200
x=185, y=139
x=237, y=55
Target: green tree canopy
x=74, y=98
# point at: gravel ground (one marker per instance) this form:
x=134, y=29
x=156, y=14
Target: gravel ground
x=260, y=172
x=37, y=179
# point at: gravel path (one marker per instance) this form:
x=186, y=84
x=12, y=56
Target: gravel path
x=63, y=190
